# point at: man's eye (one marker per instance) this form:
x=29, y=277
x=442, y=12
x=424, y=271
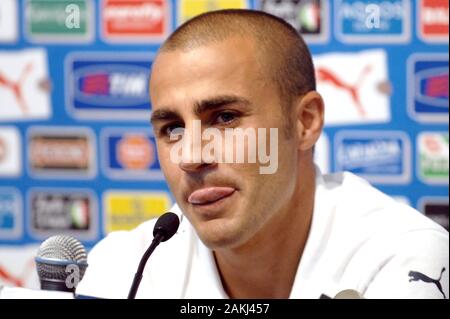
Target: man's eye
x=172, y=130
x=225, y=117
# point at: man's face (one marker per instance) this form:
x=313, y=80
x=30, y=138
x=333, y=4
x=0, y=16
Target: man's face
x=223, y=86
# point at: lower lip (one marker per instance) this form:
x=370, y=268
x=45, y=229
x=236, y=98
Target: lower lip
x=212, y=209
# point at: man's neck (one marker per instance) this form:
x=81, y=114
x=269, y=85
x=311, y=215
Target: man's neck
x=266, y=266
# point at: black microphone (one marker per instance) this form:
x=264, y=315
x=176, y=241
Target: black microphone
x=166, y=226
x=61, y=262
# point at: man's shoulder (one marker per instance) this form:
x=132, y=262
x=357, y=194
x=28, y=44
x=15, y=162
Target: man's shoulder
x=114, y=260
x=353, y=190
x=126, y=239
x=137, y=240
x=358, y=202
x=374, y=242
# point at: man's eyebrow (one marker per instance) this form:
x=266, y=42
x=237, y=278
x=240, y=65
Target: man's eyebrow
x=163, y=115
x=209, y=104
x=218, y=102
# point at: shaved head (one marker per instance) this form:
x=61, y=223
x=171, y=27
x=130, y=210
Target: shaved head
x=282, y=52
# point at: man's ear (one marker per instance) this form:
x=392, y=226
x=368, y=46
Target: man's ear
x=309, y=118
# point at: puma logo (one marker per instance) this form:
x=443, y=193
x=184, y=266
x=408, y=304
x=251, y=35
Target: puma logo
x=325, y=75
x=16, y=87
x=20, y=279
x=416, y=276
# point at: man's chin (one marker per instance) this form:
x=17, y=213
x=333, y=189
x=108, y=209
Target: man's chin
x=219, y=244
x=216, y=234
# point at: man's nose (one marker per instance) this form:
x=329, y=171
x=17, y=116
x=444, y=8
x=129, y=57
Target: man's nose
x=194, y=167
x=192, y=164
x=192, y=159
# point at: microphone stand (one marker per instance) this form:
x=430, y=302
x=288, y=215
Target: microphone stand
x=138, y=276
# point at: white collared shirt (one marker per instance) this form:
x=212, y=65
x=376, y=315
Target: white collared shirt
x=359, y=239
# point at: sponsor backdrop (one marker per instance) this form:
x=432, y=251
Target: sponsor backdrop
x=78, y=155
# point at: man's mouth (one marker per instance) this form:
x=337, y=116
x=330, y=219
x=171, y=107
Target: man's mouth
x=205, y=196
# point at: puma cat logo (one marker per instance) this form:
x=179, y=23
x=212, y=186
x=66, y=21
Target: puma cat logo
x=416, y=276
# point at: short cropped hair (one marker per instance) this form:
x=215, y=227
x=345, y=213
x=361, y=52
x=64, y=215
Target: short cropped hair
x=283, y=51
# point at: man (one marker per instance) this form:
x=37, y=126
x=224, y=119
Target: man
x=289, y=233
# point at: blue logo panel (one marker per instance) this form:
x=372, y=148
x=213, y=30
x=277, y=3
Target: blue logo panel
x=367, y=21
x=72, y=211
x=380, y=157
x=130, y=154
x=10, y=214
x=428, y=87
x=108, y=86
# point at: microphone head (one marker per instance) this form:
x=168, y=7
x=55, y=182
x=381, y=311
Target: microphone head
x=61, y=262
x=166, y=225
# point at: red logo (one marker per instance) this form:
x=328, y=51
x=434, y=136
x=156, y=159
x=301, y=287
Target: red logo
x=130, y=20
x=16, y=86
x=433, y=19
x=432, y=144
x=96, y=84
x=135, y=152
x=437, y=86
x=19, y=280
x=325, y=75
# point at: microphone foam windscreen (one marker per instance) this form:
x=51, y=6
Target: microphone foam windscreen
x=167, y=224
